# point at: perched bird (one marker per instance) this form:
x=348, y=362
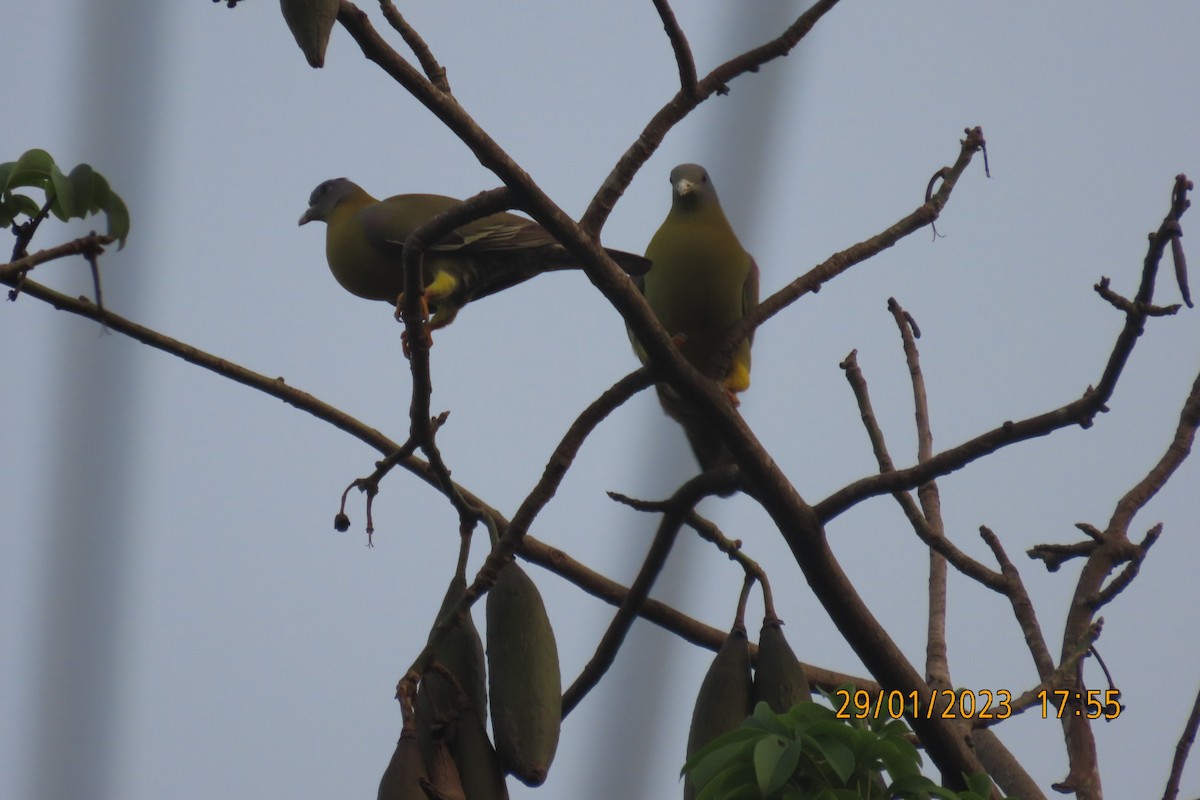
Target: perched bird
x=701, y=283
x=365, y=240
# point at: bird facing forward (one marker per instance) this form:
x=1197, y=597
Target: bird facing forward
x=701, y=283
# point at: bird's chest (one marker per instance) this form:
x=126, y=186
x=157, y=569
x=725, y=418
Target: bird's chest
x=363, y=269
x=698, y=287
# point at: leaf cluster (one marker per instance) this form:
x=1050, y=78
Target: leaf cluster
x=810, y=754
x=74, y=195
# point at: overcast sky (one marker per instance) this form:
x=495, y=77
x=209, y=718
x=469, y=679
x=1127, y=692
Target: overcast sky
x=179, y=619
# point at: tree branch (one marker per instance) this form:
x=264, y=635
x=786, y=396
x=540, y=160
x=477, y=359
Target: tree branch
x=675, y=512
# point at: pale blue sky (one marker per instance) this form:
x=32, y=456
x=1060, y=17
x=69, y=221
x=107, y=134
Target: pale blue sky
x=245, y=649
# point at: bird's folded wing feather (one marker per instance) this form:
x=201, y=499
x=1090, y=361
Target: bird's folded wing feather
x=389, y=224
x=750, y=292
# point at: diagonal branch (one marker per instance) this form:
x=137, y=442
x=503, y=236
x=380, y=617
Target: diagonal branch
x=416, y=334
x=684, y=102
x=92, y=243
x=675, y=514
x=434, y=71
x=683, y=51
x=811, y=281
x=1186, y=740
x=533, y=550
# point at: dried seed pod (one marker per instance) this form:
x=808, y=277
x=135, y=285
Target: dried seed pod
x=478, y=765
x=440, y=704
x=405, y=772
x=311, y=22
x=724, y=698
x=523, y=677
x=444, y=778
x=779, y=681
x=461, y=651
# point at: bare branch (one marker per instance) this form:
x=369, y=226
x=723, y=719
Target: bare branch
x=93, y=243
x=1022, y=605
x=1134, y=565
x=1078, y=412
x=1055, y=555
x=1186, y=739
x=930, y=537
x=564, y=454
x=417, y=340
x=1177, y=452
x=533, y=550
x=838, y=263
x=683, y=52
x=434, y=71
x=682, y=501
x=937, y=664
x=669, y=619
x=682, y=104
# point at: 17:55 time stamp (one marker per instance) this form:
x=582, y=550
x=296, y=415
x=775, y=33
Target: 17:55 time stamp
x=983, y=704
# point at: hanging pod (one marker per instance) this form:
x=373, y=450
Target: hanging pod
x=523, y=677
x=779, y=681
x=724, y=698
x=405, y=772
x=478, y=765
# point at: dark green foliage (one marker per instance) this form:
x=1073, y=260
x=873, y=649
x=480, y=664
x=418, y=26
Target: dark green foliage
x=809, y=754
x=76, y=195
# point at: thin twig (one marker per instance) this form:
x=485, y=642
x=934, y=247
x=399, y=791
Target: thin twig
x=1022, y=605
x=931, y=538
x=533, y=550
x=683, y=103
x=683, y=500
x=838, y=263
x=683, y=52
x=434, y=71
x=1182, y=749
x=417, y=338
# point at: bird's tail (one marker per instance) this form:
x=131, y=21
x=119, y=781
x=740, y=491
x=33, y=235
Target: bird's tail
x=633, y=264
x=706, y=445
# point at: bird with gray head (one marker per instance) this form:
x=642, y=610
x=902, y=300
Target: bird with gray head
x=701, y=284
x=364, y=242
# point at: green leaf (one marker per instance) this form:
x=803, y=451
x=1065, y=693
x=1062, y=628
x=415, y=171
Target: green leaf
x=839, y=757
x=740, y=737
x=979, y=783
x=100, y=192
x=6, y=171
x=809, y=712
x=63, y=193
x=764, y=719
x=23, y=204
x=775, y=760
x=727, y=783
x=83, y=185
x=717, y=755
x=118, y=218
x=842, y=794
x=32, y=169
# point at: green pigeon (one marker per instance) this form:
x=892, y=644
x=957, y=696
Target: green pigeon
x=365, y=238
x=701, y=282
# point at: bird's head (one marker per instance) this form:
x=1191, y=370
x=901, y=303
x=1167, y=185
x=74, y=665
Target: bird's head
x=325, y=198
x=691, y=188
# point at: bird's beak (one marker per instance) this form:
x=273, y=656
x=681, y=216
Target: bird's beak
x=684, y=188
x=307, y=216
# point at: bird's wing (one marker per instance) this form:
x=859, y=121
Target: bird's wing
x=498, y=232
x=390, y=222
x=750, y=291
